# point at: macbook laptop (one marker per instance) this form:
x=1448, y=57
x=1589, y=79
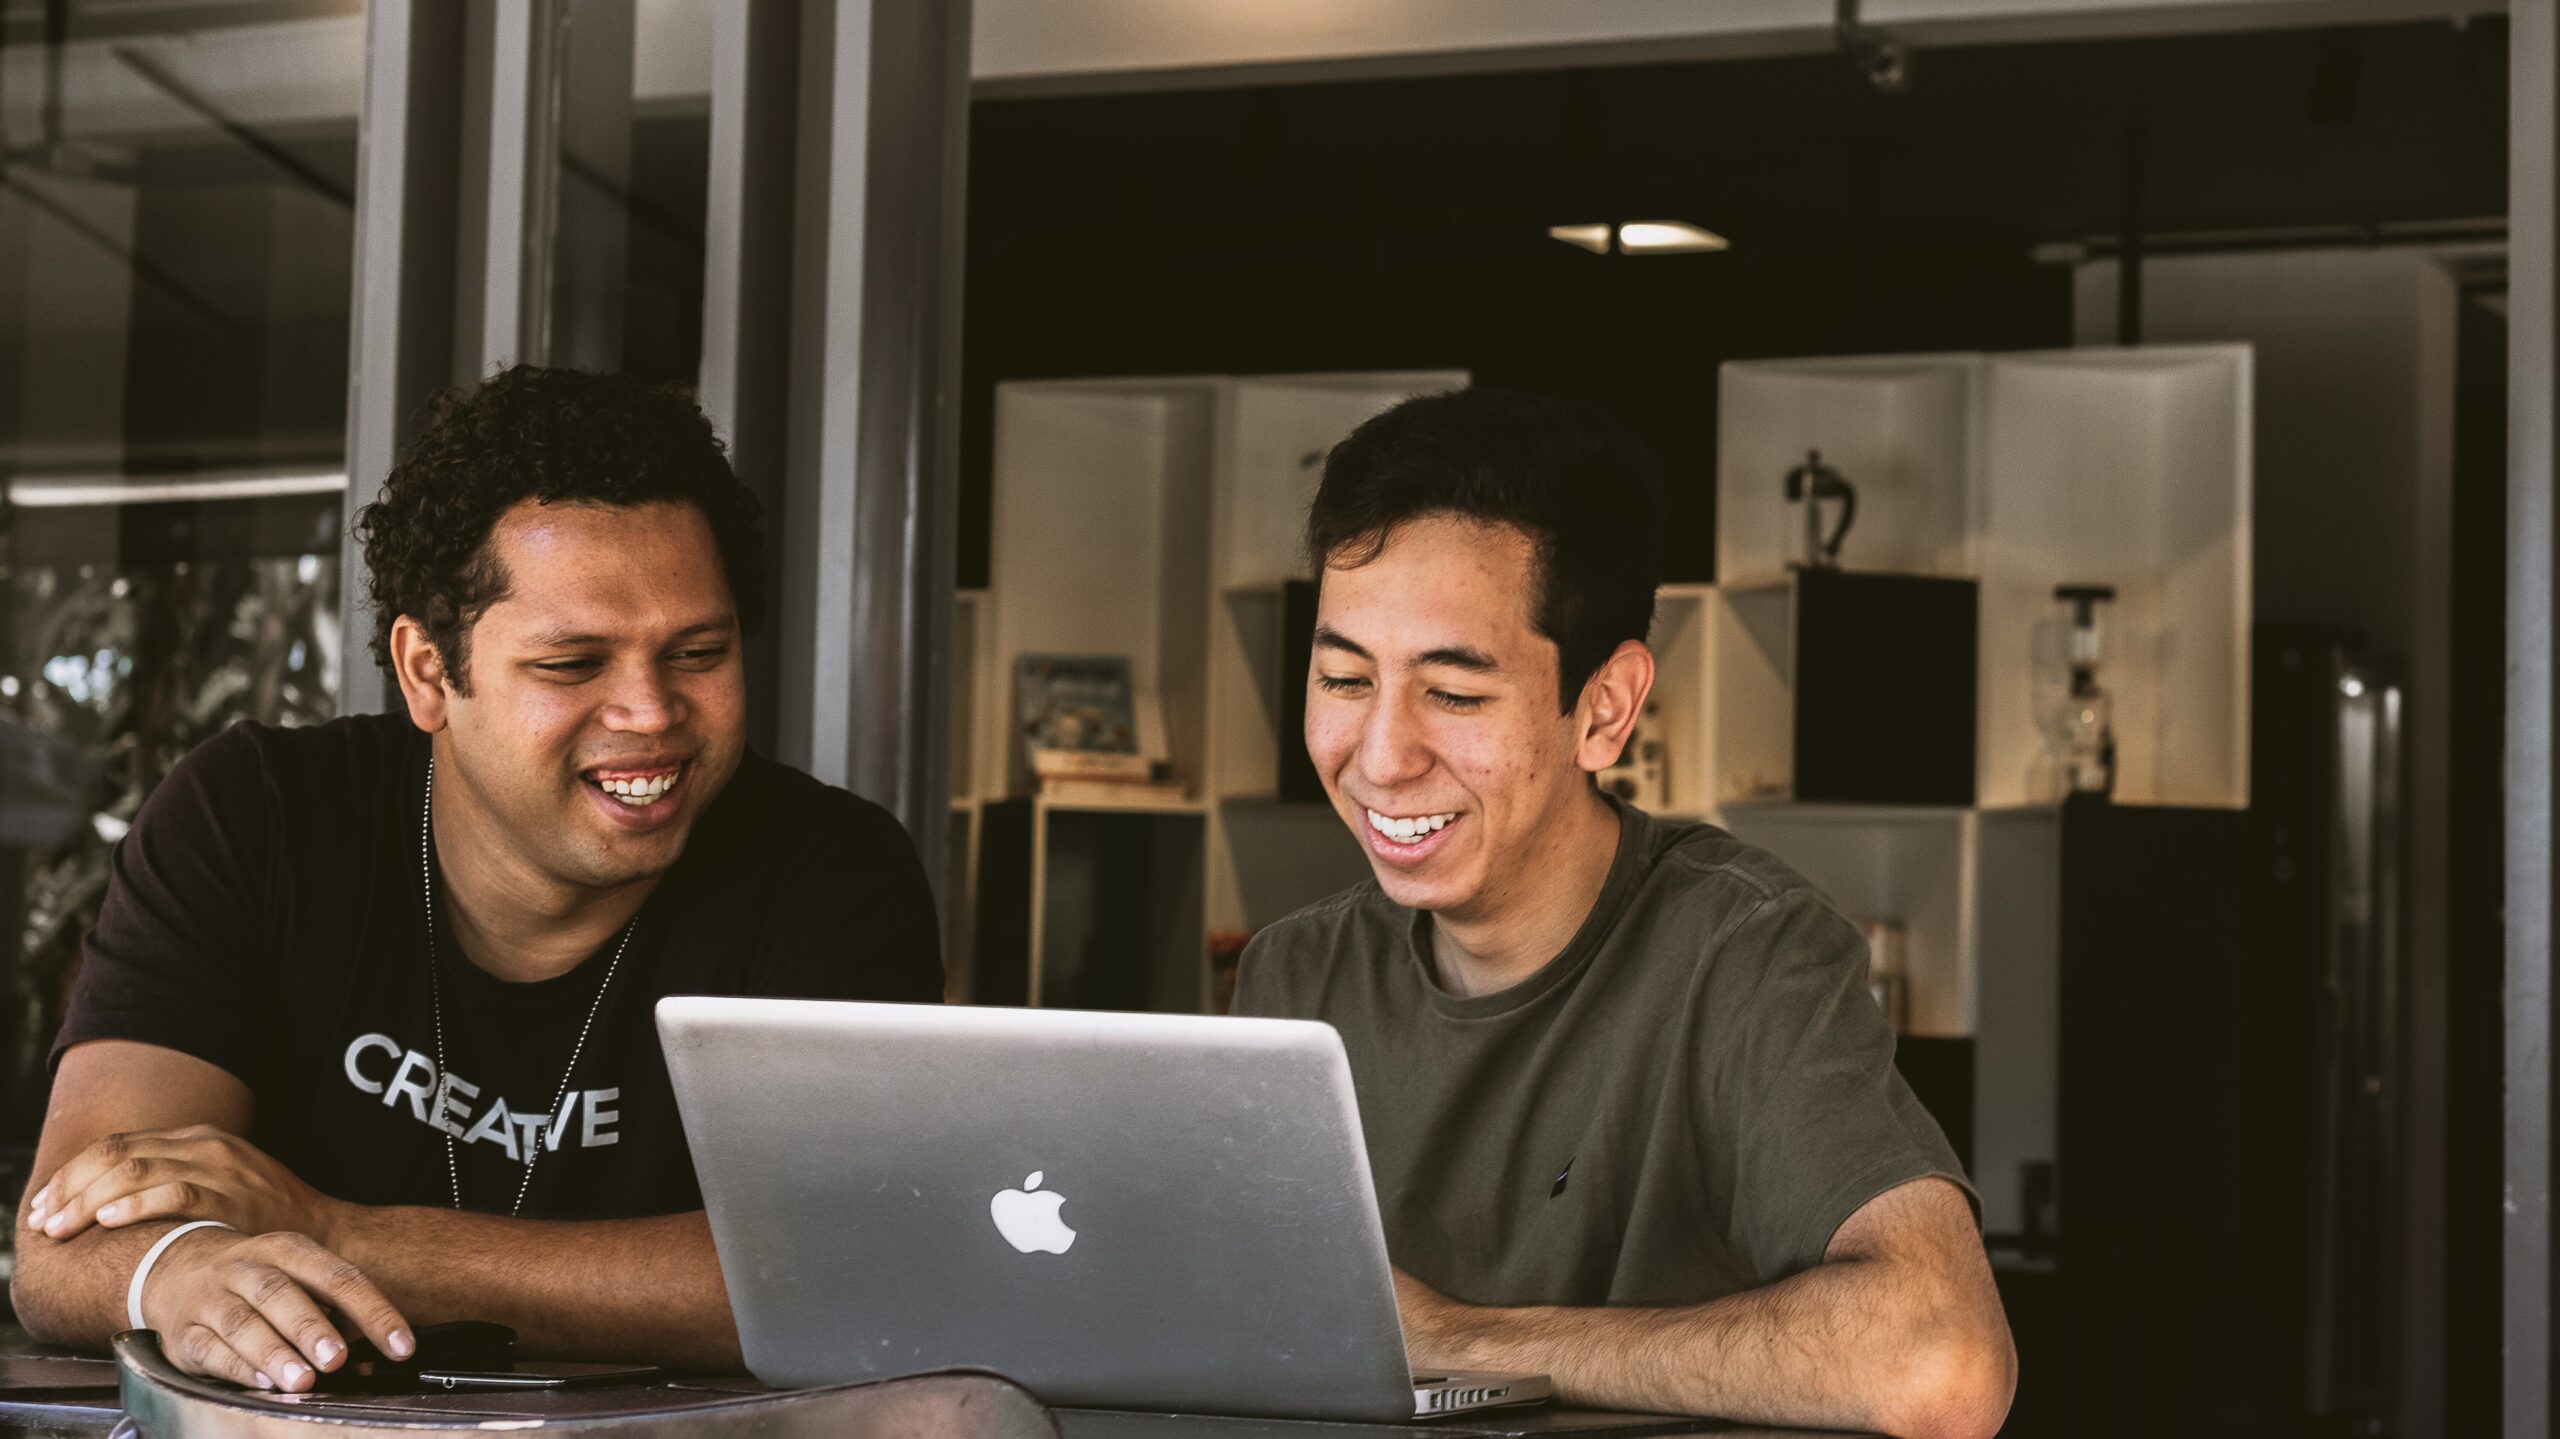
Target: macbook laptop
x=1126, y=1211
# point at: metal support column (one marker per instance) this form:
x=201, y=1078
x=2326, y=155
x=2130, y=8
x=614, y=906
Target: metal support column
x=2533, y=540
x=518, y=150
x=407, y=157
x=591, y=188
x=746, y=289
x=868, y=517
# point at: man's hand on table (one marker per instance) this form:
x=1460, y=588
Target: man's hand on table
x=198, y=1172
x=1897, y=1330
x=252, y=1306
x=254, y=1309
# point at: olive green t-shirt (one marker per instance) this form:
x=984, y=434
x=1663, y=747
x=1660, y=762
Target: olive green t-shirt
x=1685, y=1103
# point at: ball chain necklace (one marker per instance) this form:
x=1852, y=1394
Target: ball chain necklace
x=435, y=998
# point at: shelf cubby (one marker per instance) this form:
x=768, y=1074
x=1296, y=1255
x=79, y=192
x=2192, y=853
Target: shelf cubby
x=2127, y=467
x=1157, y=519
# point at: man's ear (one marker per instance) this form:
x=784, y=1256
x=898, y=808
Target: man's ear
x=420, y=671
x=1612, y=701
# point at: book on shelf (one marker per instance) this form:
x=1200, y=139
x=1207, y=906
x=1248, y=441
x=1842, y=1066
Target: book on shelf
x=1077, y=717
x=1058, y=766
x=1134, y=794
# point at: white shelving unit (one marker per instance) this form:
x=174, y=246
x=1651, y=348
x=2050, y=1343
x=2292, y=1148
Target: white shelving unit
x=1901, y=427
x=1157, y=519
x=2016, y=856
x=2127, y=467
x=1684, y=688
x=1101, y=510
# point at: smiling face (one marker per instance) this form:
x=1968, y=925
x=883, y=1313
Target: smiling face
x=607, y=699
x=1433, y=718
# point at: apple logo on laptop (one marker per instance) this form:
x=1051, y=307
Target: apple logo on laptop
x=1028, y=1217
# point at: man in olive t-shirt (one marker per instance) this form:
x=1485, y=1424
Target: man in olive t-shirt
x=1686, y=1102
x=1632, y=1115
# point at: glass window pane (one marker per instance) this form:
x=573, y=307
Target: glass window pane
x=177, y=191
x=635, y=148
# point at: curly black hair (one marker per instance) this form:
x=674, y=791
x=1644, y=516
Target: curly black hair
x=553, y=435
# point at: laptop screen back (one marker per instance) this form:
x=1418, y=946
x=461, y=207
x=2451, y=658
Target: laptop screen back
x=1143, y=1211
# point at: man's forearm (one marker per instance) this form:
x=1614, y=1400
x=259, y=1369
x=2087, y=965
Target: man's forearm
x=635, y=1289
x=72, y=1291
x=1836, y=1346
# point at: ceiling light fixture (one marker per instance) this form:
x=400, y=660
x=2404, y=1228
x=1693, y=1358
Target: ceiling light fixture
x=1666, y=237
x=1594, y=238
x=1641, y=237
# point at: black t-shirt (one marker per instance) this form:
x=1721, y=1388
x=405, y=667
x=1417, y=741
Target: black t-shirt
x=265, y=915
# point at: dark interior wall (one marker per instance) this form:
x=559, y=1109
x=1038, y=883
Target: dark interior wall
x=1389, y=224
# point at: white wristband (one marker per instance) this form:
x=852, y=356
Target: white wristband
x=151, y=1256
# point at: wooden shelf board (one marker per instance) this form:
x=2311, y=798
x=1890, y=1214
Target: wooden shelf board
x=1274, y=802
x=1182, y=805
x=1757, y=580
x=1824, y=812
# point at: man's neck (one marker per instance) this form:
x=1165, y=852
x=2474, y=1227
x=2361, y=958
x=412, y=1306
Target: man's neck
x=1508, y=936
x=508, y=916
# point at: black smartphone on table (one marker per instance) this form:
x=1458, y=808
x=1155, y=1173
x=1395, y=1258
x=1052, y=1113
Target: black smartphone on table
x=468, y=1354
x=536, y=1374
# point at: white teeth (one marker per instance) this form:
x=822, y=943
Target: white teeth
x=639, y=793
x=1408, y=831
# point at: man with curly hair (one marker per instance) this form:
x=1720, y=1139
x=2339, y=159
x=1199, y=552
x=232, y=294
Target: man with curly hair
x=364, y=1038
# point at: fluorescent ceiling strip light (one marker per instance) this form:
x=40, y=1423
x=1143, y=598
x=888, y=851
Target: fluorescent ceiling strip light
x=63, y=494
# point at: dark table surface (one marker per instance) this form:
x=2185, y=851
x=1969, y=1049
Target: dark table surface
x=57, y=1394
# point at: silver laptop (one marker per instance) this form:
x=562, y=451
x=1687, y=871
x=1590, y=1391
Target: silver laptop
x=1128, y=1211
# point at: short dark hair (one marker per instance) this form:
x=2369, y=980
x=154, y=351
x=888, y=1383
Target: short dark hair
x=553, y=435
x=1581, y=487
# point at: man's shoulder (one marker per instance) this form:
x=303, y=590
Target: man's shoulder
x=333, y=763
x=772, y=812
x=1712, y=865
x=810, y=891
x=1293, y=952
x=1720, y=899
x=1321, y=926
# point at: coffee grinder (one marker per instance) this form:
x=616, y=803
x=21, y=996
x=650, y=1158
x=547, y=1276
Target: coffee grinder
x=1810, y=485
x=2081, y=723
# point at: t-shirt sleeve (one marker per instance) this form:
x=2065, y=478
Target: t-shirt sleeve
x=182, y=932
x=1809, y=1117
x=871, y=931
